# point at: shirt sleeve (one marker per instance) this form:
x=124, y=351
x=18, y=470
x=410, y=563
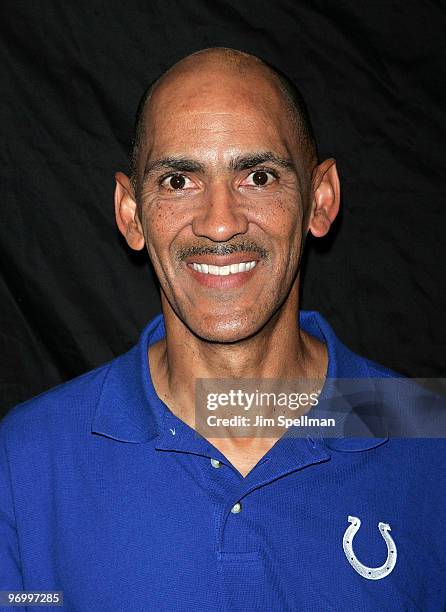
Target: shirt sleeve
x=11, y=578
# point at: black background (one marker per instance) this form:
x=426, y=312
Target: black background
x=73, y=295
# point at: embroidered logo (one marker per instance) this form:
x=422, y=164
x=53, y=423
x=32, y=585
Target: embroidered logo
x=372, y=573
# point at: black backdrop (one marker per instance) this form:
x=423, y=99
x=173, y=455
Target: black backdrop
x=72, y=294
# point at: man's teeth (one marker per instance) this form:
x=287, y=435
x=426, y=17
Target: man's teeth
x=224, y=270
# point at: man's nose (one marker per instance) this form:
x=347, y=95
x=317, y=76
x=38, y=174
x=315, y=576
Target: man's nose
x=221, y=215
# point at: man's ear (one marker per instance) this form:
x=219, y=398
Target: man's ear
x=126, y=212
x=326, y=197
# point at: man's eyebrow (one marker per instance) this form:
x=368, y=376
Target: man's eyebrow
x=241, y=162
x=179, y=164
x=244, y=162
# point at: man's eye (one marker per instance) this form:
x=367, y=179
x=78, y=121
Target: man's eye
x=176, y=181
x=260, y=178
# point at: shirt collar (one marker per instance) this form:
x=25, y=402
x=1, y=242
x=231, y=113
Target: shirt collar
x=129, y=409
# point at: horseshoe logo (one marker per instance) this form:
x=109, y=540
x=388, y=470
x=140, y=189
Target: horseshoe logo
x=371, y=573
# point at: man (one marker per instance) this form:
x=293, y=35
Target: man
x=108, y=494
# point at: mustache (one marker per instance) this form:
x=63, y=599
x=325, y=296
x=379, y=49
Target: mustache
x=221, y=249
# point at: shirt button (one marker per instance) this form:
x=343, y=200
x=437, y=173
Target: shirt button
x=236, y=508
x=215, y=463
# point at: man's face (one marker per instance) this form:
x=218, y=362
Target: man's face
x=221, y=200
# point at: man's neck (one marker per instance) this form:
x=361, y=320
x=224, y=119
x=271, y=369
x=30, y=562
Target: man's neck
x=281, y=350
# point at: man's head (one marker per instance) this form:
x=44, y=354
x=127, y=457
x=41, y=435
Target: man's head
x=225, y=174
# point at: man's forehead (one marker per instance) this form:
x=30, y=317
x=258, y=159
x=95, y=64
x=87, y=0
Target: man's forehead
x=215, y=92
x=217, y=126
x=210, y=113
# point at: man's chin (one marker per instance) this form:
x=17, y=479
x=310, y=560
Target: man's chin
x=223, y=332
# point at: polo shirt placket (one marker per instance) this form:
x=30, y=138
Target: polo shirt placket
x=238, y=560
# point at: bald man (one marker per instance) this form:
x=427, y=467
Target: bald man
x=113, y=492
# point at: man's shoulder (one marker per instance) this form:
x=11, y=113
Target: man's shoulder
x=58, y=409
x=343, y=362
x=359, y=366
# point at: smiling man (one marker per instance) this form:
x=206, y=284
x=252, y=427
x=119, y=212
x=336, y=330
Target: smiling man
x=225, y=187
x=107, y=491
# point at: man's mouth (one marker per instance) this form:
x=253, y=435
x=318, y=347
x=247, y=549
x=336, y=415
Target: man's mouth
x=244, y=266
x=223, y=271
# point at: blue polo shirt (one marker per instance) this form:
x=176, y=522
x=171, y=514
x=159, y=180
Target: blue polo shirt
x=107, y=496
